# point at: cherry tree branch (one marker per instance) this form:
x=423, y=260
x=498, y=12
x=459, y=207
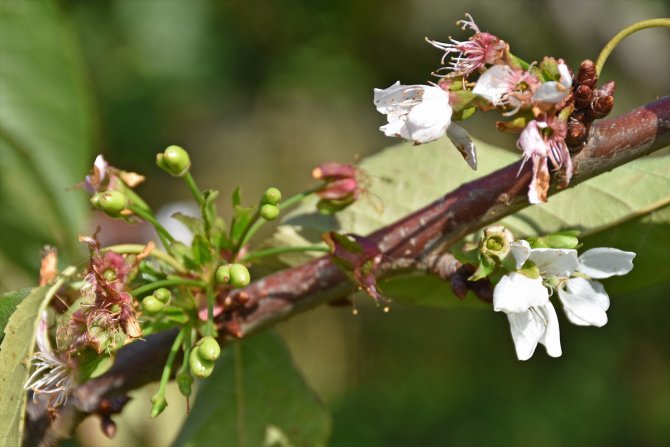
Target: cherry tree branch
x=418, y=236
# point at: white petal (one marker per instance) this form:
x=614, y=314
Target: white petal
x=526, y=330
x=493, y=85
x=552, y=335
x=531, y=142
x=461, y=139
x=395, y=128
x=553, y=92
x=389, y=99
x=520, y=250
x=554, y=261
x=605, y=262
x=585, y=302
x=429, y=120
x=517, y=293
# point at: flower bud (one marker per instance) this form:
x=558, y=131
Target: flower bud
x=158, y=404
x=163, y=295
x=184, y=382
x=271, y=196
x=587, y=75
x=200, y=367
x=151, y=305
x=111, y=202
x=239, y=276
x=208, y=349
x=222, y=274
x=174, y=160
x=583, y=96
x=269, y=212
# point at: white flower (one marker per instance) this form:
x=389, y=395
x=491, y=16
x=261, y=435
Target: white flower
x=553, y=92
x=532, y=317
x=526, y=301
x=419, y=113
x=504, y=86
x=422, y=113
x=585, y=301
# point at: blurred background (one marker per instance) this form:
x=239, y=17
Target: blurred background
x=260, y=92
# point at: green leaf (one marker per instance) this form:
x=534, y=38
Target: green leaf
x=8, y=303
x=406, y=178
x=201, y=250
x=256, y=397
x=16, y=349
x=45, y=133
x=194, y=224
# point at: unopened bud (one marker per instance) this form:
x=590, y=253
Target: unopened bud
x=200, y=367
x=601, y=107
x=163, y=295
x=269, y=212
x=174, y=160
x=271, y=196
x=583, y=96
x=576, y=135
x=239, y=276
x=151, y=305
x=208, y=348
x=587, y=75
x=222, y=274
x=184, y=383
x=111, y=202
x=158, y=404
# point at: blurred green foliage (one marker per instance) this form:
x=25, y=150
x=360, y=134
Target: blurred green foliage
x=261, y=91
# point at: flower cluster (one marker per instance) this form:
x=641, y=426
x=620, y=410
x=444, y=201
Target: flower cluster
x=536, y=270
x=482, y=74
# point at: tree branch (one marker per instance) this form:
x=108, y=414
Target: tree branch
x=427, y=231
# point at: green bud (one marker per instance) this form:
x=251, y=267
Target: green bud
x=223, y=274
x=111, y=202
x=208, y=349
x=200, y=367
x=184, y=382
x=158, y=404
x=561, y=241
x=163, y=295
x=151, y=305
x=271, y=196
x=239, y=276
x=174, y=160
x=269, y=212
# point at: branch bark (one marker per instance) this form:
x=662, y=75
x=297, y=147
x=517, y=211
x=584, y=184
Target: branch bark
x=427, y=231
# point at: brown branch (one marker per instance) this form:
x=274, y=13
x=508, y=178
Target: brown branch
x=431, y=229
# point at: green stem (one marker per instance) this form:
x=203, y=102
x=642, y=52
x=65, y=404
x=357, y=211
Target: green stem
x=166, y=238
x=256, y=224
x=167, y=283
x=190, y=181
x=167, y=370
x=139, y=248
x=621, y=35
x=209, y=329
x=134, y=198
x=281, y=250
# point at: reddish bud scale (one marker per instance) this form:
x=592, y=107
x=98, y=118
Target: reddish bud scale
x=587, y=75
x=583, y=96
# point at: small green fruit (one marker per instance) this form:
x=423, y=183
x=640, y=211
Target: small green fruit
x=239, y=276
x=163, y=295
x=151, y=305
x=208, y=349
x=223, y=274
x=200, y=367
x=175, y=160
x=271, y=196
x=269, y=212
x=111, y=202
